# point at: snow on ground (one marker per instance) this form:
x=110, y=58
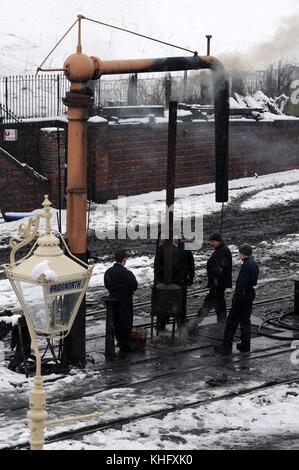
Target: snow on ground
x=270, y=197
x=10, y=380
x=278, y=188
x=200, y=198
x=142, y=266
x=254, y=420
x=191, y=200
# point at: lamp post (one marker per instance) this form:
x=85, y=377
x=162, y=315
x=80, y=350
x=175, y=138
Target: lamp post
x=50, y=287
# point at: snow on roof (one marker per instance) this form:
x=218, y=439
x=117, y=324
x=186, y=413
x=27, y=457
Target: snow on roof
x=52, y=129
x=49, y=118
x=233, y=104
x=96, y=119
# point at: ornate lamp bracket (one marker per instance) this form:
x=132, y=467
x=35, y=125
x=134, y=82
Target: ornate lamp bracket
x=26, y=236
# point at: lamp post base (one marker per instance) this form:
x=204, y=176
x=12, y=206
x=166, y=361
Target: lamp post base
x=37, y=414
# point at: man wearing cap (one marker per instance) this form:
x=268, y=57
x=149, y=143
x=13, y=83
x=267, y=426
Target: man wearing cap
x=244, y=295
x=121, y=283
x=219, y=270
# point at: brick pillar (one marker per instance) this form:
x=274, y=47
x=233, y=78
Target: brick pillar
x=48, y=161
x=98, y=159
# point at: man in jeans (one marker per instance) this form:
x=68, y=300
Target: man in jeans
x=240, y=312
x=219, y=270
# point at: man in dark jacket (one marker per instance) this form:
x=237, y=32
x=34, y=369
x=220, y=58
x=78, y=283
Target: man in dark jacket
x=183, y=270
x=121, y=283
x=219, y=270
x=244, y=295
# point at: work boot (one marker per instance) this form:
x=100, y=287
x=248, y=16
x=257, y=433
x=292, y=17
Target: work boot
x=221, y=318
x=11, y=367
x=223, y=350
x=193, y=327
x=243, y=348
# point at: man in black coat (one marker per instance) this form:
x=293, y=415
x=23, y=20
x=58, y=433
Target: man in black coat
x=183, y=270
x=243, y=298
x=219, y=270
x=121, y=283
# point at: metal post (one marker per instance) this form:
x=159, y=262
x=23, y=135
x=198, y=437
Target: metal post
x=167, y=89
x=37, y=401
x=59, y=177
x=132, y=90
x=209, y=37
x=171, y=157
x=78, y=103
x=185, y=85
x=58, y=95
x=296, y=302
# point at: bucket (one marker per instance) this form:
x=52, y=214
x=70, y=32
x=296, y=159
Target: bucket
x=139, y=338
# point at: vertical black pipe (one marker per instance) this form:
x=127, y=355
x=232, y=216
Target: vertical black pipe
x=209, y=37
x=170, y=187
x=221, y=104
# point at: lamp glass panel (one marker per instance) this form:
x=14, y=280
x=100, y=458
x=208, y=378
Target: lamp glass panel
x=61, y=308
x=33, y=298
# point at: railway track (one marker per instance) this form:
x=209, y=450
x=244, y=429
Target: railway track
x=116, y=423
x=101, y=313
x=121, y=363
x=161, y=413
x=165, y=377
x=148, y=324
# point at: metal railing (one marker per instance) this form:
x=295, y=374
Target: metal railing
x=30, y=97
x=27, y=97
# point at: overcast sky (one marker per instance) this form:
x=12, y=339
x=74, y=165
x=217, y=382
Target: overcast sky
x=29, y=29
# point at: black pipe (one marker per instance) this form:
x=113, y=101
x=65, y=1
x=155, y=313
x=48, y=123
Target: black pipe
x=221, y=105
x=170, y=188
x=221, y=100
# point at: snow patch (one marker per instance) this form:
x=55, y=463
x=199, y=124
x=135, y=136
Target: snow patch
x=44, y=268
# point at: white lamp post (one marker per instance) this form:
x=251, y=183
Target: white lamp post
x=50, y=287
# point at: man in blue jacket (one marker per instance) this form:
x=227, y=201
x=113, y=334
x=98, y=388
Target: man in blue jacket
x=121, y=283
x=243, y=298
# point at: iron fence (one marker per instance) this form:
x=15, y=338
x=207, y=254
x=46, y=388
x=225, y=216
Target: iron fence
x=29, y=96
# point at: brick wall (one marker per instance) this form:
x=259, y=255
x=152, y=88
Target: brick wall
x=98, y=161
x=129, y=160
x=25, y=148
x=21, y=189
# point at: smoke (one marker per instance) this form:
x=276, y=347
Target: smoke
x=283, y=45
